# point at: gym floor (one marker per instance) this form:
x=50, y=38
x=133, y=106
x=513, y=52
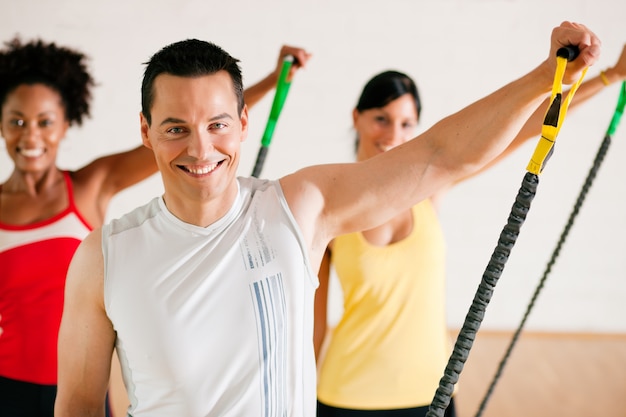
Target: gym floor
x=547, y=374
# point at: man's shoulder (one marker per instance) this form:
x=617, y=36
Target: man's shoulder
x=252, y=183
x=133, y=218
x=249, y=186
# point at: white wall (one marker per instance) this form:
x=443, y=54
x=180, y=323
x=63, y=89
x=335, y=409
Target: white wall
x=457, y=50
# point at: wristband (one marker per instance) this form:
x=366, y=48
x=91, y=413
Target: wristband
x=604, y=79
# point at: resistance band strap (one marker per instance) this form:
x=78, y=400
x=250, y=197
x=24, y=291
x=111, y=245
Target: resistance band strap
x=282, y=88
x=500, y=255
x=556, y=112
x=602, y=151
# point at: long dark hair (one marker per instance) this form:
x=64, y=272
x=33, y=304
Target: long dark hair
x=385, y=87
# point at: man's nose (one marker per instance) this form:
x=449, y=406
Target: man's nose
x=200, y=145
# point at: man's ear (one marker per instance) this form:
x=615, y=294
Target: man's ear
x=145, y=127
x=244, y=123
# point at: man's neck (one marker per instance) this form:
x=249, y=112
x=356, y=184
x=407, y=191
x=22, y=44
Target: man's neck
x=202, y=210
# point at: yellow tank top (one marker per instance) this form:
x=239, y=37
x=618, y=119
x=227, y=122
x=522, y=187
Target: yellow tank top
x=391, y=346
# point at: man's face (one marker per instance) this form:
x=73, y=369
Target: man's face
x=196, y=135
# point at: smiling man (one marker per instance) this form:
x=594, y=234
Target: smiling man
x=207, y=291
x=195, y=135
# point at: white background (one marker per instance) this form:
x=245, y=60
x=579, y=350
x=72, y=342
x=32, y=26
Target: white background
x=457, y=50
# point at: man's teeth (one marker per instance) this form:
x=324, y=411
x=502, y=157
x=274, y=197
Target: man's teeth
x=32, y=153
x=202, y=170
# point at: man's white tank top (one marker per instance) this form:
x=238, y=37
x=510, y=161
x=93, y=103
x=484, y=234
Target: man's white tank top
x=214, y=321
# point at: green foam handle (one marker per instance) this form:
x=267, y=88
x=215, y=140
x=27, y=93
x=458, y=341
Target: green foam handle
x=282, y=88
x=619, y=111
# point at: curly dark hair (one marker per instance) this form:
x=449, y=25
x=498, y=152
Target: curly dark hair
x=60, y=68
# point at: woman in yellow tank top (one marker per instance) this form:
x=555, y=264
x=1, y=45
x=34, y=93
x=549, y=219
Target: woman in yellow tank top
x=390, y=347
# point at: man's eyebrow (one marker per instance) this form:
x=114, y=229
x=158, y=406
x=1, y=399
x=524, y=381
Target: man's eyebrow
x=170, y=120
x=221, y=116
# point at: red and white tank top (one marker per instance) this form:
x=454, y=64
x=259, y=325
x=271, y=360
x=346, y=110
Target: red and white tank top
x=34, y=260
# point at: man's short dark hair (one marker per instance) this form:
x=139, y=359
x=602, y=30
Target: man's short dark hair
x=189, y=58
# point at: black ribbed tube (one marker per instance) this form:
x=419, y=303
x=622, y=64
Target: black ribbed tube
x=476, y=312
x=260, y=160
x=604, y=146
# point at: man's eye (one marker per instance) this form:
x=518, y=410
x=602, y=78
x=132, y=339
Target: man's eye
x=218, y=125
x=175, y=130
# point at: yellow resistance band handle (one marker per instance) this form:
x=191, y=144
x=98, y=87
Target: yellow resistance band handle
x=556, y=111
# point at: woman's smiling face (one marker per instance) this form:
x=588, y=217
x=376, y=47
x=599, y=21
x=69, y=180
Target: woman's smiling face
x=33, y=125
x=384, y=128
